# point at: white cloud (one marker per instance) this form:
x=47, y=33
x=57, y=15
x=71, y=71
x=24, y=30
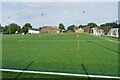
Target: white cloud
x=55, y=13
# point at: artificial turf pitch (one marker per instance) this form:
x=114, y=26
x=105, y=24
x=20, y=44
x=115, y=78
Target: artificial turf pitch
x=59, y=53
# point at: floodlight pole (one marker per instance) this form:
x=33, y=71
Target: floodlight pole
x=9, y=27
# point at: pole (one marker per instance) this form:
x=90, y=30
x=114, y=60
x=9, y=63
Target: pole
x=9, y=27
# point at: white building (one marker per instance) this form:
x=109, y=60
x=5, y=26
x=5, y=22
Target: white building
x=33, y=31
x=80, y=30
x=96, y=31
x=114, y=32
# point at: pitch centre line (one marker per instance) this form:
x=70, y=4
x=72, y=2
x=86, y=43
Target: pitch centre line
x=78, y=43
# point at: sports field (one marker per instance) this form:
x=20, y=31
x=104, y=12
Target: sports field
x=63, y=53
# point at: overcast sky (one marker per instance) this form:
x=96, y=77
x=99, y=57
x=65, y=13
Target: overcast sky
x=52, y=13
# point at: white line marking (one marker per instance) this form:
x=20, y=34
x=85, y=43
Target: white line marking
x=109, y=40
x=57, y=73
x=78, y=44
x=53, y=40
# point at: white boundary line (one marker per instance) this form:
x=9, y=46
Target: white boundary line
x=110, y=40
x=57, y=73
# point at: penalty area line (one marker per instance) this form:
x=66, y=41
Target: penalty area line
x=57, y=73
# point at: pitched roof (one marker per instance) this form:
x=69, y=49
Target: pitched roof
x=50, y=27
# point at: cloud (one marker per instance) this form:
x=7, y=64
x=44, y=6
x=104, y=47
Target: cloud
x=55, y=13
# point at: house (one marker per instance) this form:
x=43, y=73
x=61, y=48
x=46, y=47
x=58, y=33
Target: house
x=50, y=30
x=62, y=31
x=33, y=31
x=97, y=31
x=80, y=30
x=106, y=29
x=87, y=29
x=114, y=32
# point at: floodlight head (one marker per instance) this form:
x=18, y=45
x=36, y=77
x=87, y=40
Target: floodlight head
x=42, y=14
x=9, y=17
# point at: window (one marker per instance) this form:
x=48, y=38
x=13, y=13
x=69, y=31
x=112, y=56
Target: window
x=114, y=32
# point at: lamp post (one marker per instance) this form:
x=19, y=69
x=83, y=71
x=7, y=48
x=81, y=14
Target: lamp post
x=9, y=26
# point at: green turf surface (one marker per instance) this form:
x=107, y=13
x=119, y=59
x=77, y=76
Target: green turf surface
x=0, y=55
x=60, y=53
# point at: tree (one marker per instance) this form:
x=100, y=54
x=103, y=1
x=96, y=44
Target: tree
x=6, y=29
x=40, y=28
x=75, y=27
x=119, y=25
x=82, y=26
x=72, y=27
x=13, y=28
x=112, y=25
x=26, y=27
x=91, y=25
x=1, y=28
x=107, y=26
x=61, y=26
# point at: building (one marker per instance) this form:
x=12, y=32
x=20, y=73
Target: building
x=50, y=30
x=106, y=29
x=97, y=31
x=33, y=31
x=80, y=30
x=114, y=32
x=87, y=29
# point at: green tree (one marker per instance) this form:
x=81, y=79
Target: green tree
x=119, y=25
x=112, y=25
x=76, y=27
x=26, y=27
x=82, y=26
x=13, y=28
x=6, y=29
x=72, y=27
x=1, y=28
x=91, y=25
x=61, y=26
x=40, y=28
